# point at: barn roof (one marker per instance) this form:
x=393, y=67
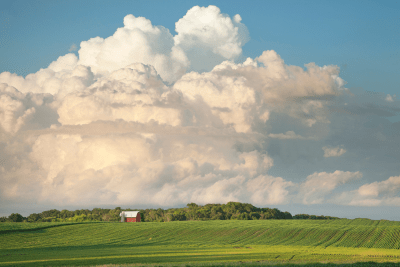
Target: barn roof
x=129, y=214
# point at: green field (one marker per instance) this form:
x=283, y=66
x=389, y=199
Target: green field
x=199, y=242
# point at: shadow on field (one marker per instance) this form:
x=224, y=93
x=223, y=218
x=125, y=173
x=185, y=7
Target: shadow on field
x=38, y=229
x=148, y=255
x=110, y=260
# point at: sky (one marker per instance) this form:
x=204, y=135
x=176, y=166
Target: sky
x=147, y=104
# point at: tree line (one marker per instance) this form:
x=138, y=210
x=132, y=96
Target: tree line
x=192, y=211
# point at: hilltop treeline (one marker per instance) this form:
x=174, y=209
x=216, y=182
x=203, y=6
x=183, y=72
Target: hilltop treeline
x=229, y=211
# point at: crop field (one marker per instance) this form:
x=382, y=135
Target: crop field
x=199, y=242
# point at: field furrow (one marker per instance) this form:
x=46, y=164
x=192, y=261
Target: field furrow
x=198, y=240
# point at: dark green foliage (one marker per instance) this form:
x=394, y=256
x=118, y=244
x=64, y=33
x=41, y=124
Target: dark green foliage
x=34, y=217
x=50, y=213
x=54, y=215
x=314, y=217
x=15, y=217
x=288, y=215
x=229, y=211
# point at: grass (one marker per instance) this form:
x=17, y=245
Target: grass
x=200, y=243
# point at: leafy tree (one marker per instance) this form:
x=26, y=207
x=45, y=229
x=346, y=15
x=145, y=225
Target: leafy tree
x=115, y=214
x=34, y=217
x=106, y=217
x=288, y=215
x=313, y=217
x=192, y=211
x=218, y=216
x=169, y=217
x=180, y=215
x=66, y=214
x=255, y=215
x=51, y=213
x=15, y=217
x=192, y=206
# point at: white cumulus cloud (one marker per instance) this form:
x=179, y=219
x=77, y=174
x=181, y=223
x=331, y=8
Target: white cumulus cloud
x=149, y=118
x=384, y=193
x=318, y=185
x=209, y=37
x=137, y=42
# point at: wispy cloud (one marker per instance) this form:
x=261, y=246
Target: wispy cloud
x=333, y=151
x=72, y=48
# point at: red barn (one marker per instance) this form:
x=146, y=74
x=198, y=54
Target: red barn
x=130, y=216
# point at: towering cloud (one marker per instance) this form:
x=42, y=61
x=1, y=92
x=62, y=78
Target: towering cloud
x=138, y=41
x=149, y=118
x=205, y=38
x=209, y=37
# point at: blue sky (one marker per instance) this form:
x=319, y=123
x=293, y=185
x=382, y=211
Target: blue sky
x=361, y=37
x=311, y=138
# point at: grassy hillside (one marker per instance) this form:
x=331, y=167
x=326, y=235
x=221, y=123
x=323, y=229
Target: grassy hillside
x=198, y=241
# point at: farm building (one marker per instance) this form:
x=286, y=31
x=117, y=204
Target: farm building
x=130, y=216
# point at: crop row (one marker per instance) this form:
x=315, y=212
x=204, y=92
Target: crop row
x=272, y=232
